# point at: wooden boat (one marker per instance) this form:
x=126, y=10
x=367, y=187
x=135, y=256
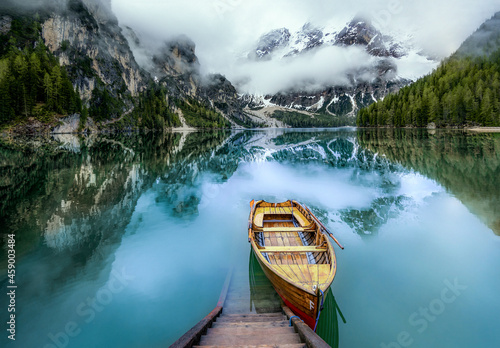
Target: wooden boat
x=295, y=253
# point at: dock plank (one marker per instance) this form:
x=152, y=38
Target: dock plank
x=249, y=339
x=291, y=345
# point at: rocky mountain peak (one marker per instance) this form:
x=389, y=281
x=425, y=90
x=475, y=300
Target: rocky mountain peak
x=361, y=32
x=275, y=39
x=307, y=38
x=358, y=32
x=177, y=57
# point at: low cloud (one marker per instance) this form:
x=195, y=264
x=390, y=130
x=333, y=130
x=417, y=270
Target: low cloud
x=310, y=71
x=226, y=30
x=30, y=5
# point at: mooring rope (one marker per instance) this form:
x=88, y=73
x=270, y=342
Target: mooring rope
x=320, y=308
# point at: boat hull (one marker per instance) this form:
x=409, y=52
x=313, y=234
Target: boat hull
x=311, y=322
x=302, y=303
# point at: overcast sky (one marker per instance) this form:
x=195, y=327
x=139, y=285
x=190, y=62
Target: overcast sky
x=224, y=30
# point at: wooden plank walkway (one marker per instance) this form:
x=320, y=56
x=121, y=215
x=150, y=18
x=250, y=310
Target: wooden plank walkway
x=249, y=314
x=252, y=317
x=231, y=330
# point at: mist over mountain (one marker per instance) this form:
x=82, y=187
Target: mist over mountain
x=327, y=70
x=221, y=64
x=225, y=31
x=484, y=41
x=464, y=91
x=312, y=56
x=84, y=43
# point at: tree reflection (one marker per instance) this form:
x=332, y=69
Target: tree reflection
x=67, y=191
x=78, y=194
x=466, y=164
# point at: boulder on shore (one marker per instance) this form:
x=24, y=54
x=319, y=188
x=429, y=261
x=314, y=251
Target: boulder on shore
x=71, y=124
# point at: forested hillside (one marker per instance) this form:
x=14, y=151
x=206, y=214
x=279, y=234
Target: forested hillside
x=461, y=92
x=32, y=83
x=34, y=86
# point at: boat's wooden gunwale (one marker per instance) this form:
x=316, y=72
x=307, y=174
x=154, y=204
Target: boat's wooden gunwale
x=332, y=258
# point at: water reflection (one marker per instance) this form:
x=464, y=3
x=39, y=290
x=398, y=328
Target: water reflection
x=64, y=191
x=466, y=164
x=263, y=297
x=83, y=206
x=331, y=316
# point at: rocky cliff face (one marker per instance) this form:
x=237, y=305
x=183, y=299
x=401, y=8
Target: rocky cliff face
x=176, y=66
x=86, y=38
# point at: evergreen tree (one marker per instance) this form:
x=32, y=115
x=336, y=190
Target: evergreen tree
x=49, y=89
x=6, y=110
x=30, y=75
x=461, y=91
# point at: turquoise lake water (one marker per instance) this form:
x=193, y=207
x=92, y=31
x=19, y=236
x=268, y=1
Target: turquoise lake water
x=126, y=240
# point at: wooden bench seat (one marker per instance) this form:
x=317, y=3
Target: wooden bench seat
x=283, y=229
x=260, y=212
x=292, y=249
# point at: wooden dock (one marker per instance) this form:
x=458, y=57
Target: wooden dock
x=251, y=330
x=250, y=314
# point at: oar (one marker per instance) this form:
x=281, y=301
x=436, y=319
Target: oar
x=250, y=216
x=330, y=234
x=324, y=228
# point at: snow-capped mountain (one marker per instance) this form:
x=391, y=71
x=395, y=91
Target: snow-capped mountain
x=275, y=39
x=307, y=38
x=360, y=32
x=376, y=75
x=280, y=43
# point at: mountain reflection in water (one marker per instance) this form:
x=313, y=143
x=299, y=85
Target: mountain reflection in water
x=82, y=207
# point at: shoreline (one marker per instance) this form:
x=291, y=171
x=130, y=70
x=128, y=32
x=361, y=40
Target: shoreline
x=484, y=129
x=44, y=130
